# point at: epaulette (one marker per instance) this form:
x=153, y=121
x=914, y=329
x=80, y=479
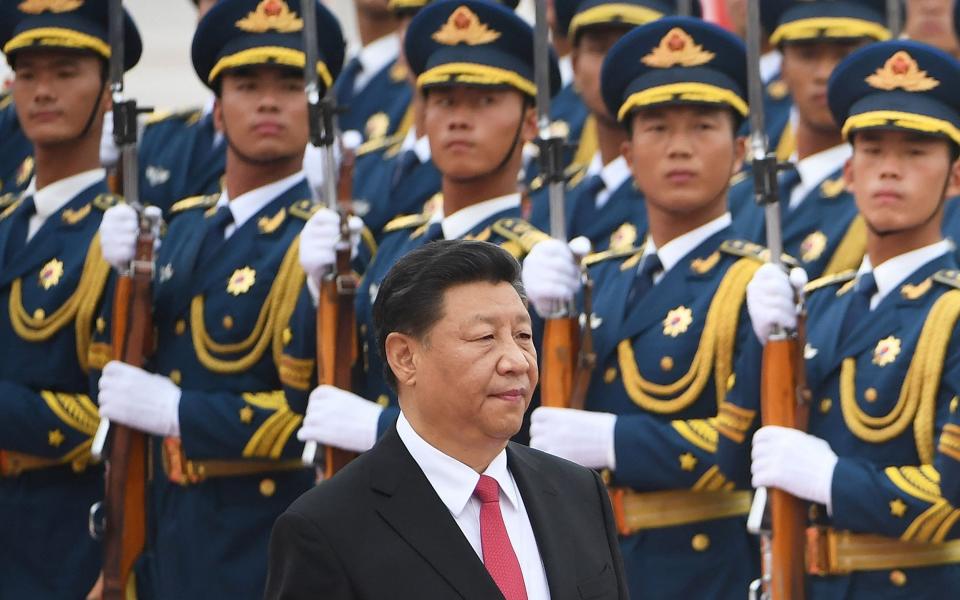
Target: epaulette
x=406, y=222
x=194, y=202
x=597, y=257
x=105, y=201
x=739, y=177
x=753, y=251
x=950, y=277
x=836, y=278
x=777, y=89
x=379, y=143
x=186, y=114
x=7, y=199
x=520, y=232
x=6, y=99
x=304, y=209
x=574, y=174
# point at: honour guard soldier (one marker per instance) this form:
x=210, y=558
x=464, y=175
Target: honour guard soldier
x=16, y=154
x=670, y=330
x=818, y=216
x=224, y=396
x=881, y=345
x=474, y=65
x=602, y=202
x=52, y=278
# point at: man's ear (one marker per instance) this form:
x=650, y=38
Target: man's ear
x=218, y=113
x=848, y=175
x=739, y=154
x=953, y=182
x=530, y=131
x=401, y=350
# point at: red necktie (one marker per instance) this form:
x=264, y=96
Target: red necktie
x=498, y=555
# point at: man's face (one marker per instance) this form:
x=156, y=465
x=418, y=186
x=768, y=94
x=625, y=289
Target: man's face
x=592, y=47
x=55, y=92
x=931, y=21
x=806, y=69
x=682, y=157
x=476, y=368
x=263, y=111
x=898, y=178
x=737, y=11
x=472, y=129
x=372, y=7
x=203, y=6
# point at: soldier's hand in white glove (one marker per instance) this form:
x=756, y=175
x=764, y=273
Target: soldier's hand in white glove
x=772, y=299
x=796, y=462
x=138, y=399
x=340, y=419
x=118, y=235
x=318, y=245
x=551, y=276
x=580, y=436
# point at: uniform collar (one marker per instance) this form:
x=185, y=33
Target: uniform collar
x=56, y=195
x=453, y=481
x=378, y=54
x=466, y=219
x=673, y=251
x=815, y=168
x=246, y=205
x=894, y=271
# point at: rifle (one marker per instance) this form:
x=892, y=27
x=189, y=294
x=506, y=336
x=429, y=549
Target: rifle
x=120, y=519
x=894, y=18
x=567, y=344
x=782, y=382
x=336, y=338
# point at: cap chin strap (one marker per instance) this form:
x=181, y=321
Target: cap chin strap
x=937, y=210
x=509, y=154
x=261, y=162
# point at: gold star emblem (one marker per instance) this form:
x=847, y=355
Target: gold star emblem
x=464, y=27
x=51, y=273
x=812, y=247
x=902, y=71
x=886, y=351
x=677, y=48
x=898, y=508
x=678, y=321
x=688, y=461
x=241, y=281
x=246, y=414
x=55, y=438
x=271, y=14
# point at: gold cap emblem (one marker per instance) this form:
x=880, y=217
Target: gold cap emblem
x=271, y=14
x=35, y=7
x=677, y=48
x=902, y=71
x=464, y=27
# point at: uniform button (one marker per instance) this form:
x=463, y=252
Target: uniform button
x=898, y=578
x=180, y=326
x=700, y=542
x=610, y=375
x=731, y=381
x=268, y=487
x=39, y=314
x=383, y=400
x=101, y=324
x=287, y=335
x=870, y=394
x=363, y=329
x=825, y=405
x=666, y=363
x=227, y=322
x=175, y=376
x=806, y=394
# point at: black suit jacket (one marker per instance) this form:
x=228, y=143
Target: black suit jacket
x=378, y=530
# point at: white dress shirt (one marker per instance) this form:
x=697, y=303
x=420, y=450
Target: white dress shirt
x=56, y=195
x=814, y=169
x=374, y=57
x=673, y=251
x=565, y=63
x=891, y=273
x=614, y=173
x=454, y=483
x=246, y=205
x=770, y=63
x=464, y=220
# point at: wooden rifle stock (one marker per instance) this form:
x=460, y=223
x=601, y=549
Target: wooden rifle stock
x=336, y=315
x=569, y=358
x=126, y=469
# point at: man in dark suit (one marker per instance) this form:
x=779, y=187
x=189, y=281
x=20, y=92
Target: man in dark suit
x=445, y=506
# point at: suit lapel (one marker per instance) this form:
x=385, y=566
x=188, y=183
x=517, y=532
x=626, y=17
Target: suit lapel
x=409, y=504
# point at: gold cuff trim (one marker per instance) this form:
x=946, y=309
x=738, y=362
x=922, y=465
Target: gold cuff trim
x=273, y=55
x=296, y=372
x=475, y=74
x=613, y=14
x=829, y=27
x=901, y=120
x=57, y=37
x=688, y=91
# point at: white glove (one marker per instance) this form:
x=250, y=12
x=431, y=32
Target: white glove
x=340, y=419
x=772, y=299
x=551, y=276
x=135, y=398
x=581, y=436
x=118, y=235
x=318, y=245
x=795, y=462
x=313, y=161
x=109, y=154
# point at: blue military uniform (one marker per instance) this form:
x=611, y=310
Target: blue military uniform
x=16, y=152
x=379, y=108
x=881, y=369
x=51, y=285
x=669, y=345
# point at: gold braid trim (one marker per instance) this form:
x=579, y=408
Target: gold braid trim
x=713, y=481
x=850, y=251
x=75, y=410
x=733, y=422
x=273, y=318
x=714, y=353
x=270, y=438
x=915, y=482
x=930, y=524
x=79, y=307
x=950, y=441
x=702, y=433
x=918, y=394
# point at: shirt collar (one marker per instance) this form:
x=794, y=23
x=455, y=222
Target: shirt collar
x=566, y=69
x=893, y=272
x=246, y=205
x=453, y=481
x=378, y=54
x=419, y=144
x=596, y=165
x=56, y=195
x=770, y=65
x=673, y=251
x=615, y=173
x=460, y=223
x=817, y=167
